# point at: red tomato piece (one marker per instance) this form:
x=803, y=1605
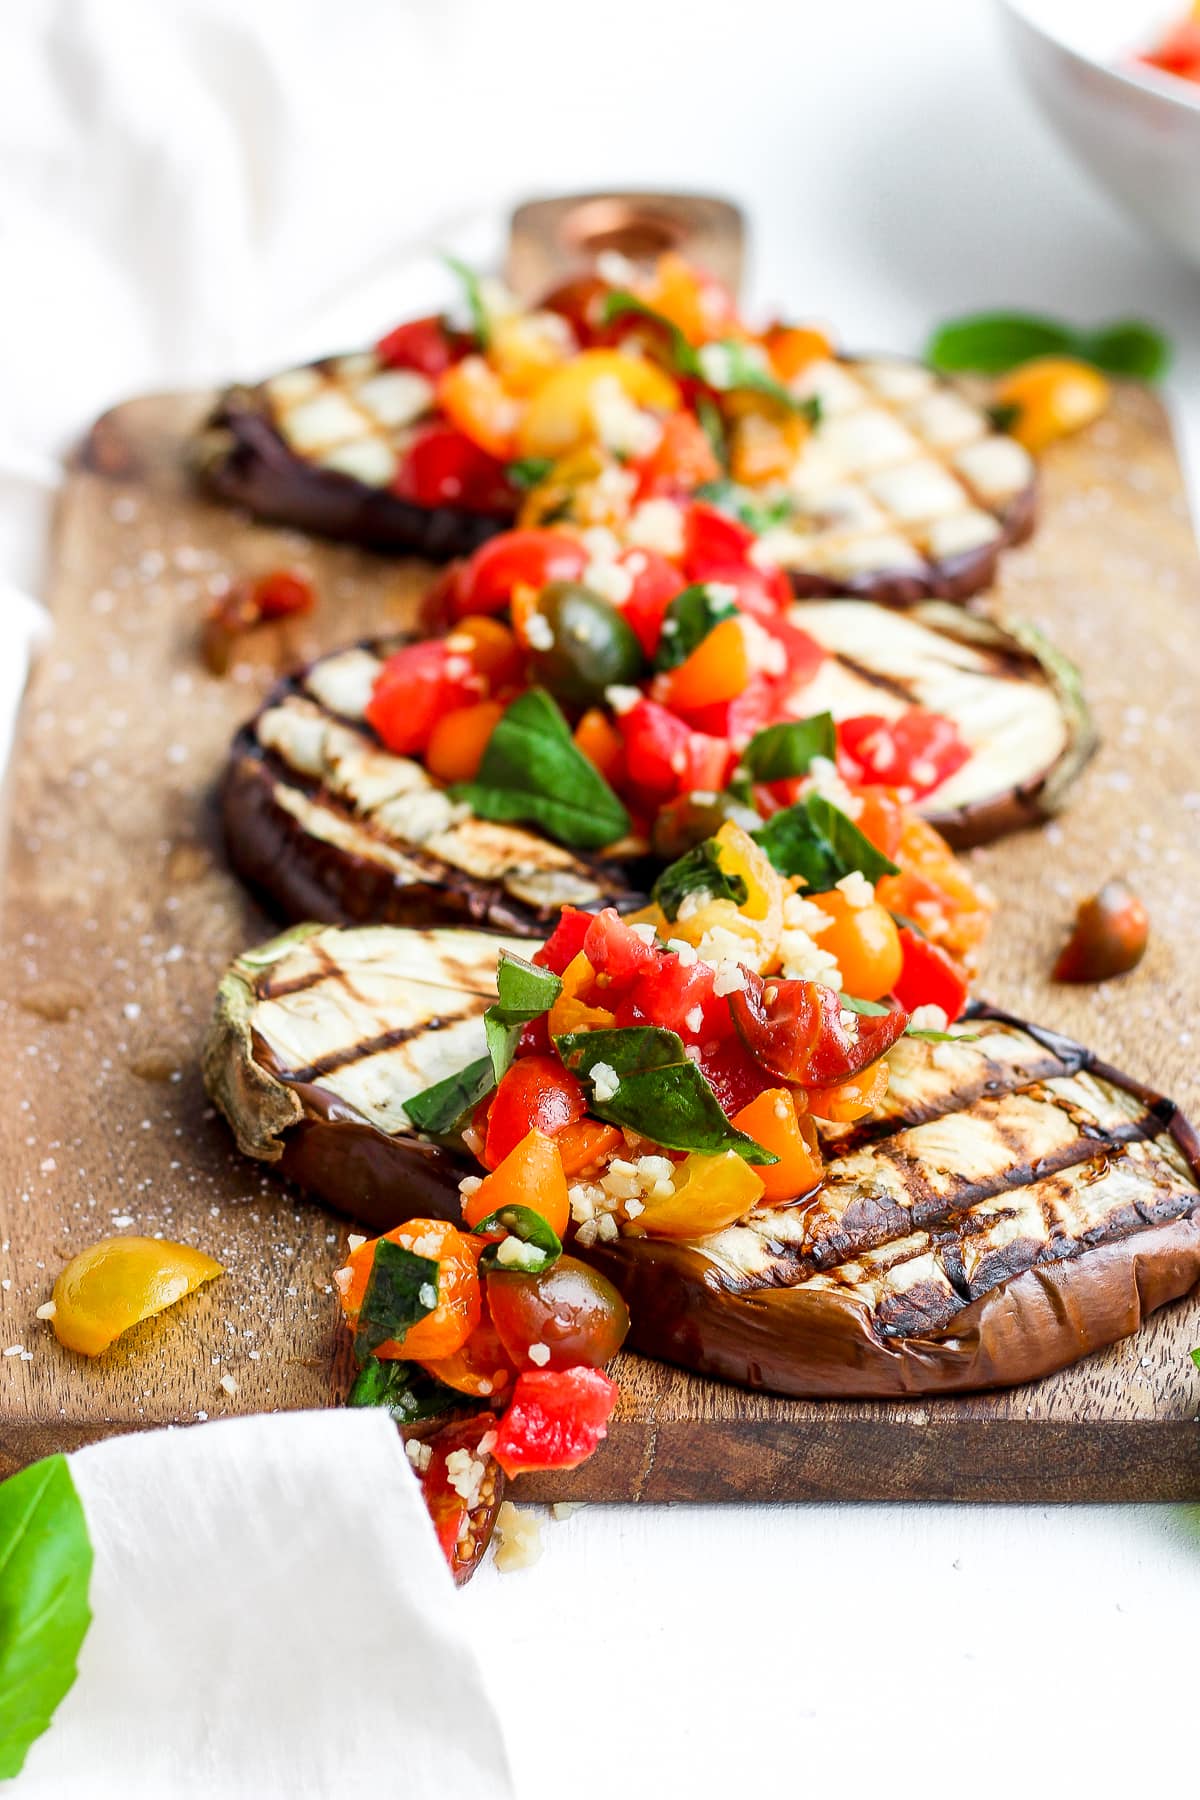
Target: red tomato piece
x=665, y=757
x=443, y=467
x=681, y=461
x=796, y=1032
x=463, y=1535
x=738, y=719
x=415, y=688
x=713, y=541
x=918, y=751
x=535, y=1094
x=679, y=997
x=655, y=584
x=555, y=1420
x=929, y=977
x=529, y=558
x=421, y=344
x=565, y=941
x=615, y=949
x=283, y=593
x=1179, y=51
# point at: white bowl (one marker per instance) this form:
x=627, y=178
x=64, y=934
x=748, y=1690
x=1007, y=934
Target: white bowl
x=1137, y=130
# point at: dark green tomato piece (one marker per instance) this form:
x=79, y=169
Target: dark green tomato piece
x=687, y=821
x=593, y=647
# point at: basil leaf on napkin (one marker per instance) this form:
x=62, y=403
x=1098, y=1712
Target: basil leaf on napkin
x=45, y=1568
x=441, y=1109
x=816, y=841
x=401, y=1288
x=992, y=342
x=541, y=1245
x=688, y=620
x=659, y=1090
x=524, y=992
x=697, y=871
x=404, y=1388
x=778, y=752
x=533, y=771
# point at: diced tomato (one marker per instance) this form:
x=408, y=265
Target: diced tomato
x=655, y=584
x=565, y=941
x=555, y=1420
x=665, y=756
x=881, y=819
x=615, y=950
x=282, y=593
x=796, y=1032
x=447, y=1327
x=715, y=673
x=918, y=751
x=442, y=467
x=415, y=688
x=530, y=1175
x=732, y=1073
x=531, y=558
x=579, y=301
x=772, y=1121
x=681, y=461
x=459, y=739
x=738, y=719
x=929, y=977
x=803, y=652
x=482, y=1366
x=585, y=1145
x=679, y=997
x=536, y=1093
x=421, y=344
x=600, y=742
x=714, y=541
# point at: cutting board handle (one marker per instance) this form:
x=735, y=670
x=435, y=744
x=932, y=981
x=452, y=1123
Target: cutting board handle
x=551, y=240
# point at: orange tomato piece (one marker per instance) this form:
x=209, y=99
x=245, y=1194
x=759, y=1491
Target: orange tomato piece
x=600, y=742
x=444, y=1330
x=569, y=1012
x=586, y=1144
x=718, y=669
x=1052, y=397
x=459, y=739
x=474, y=398
x=481, y=1366
x=119, y=1282
x=709, y=1193
x=682, y=459
x=852, y=1099
x=791, y=348
x=866, y=943
x=935, y=889
x=692, y=299
x=558, y=416
x=530, y=1175
x=765, y=447
x=772, y=1121
x=492, y=648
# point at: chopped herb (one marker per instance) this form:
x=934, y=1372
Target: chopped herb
x=528, y=471
x=544, y=1246
x=473, y=293
x=660, y=1091
x=779, y=752
x=404, y=1389
x=533, y=771
x=868, y=1009
x=45, y=1569
x=990, y=343
x=524, y=992
x=401, y=1288
x=441, y=1110
x=688, y=620
x=943, y=1037
x=698, y=870
x=815, y=840
x=756, y=512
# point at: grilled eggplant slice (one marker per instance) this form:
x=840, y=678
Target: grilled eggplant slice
x=1016, y=700
x=317, y=447
x=330, y=826
x=1016, y=1205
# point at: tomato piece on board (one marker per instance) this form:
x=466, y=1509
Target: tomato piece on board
x=565, y=941
x=282, y=593
x=570, y=1310
x=463, y=1524
x=796, y=1031
x=530, y=558
x=415, y=688
x=535, y=1094
x=421, y=344
x=929, y=976
x=917, y=751
x=530, y=1175
x=442, y=467
x=555, y=1420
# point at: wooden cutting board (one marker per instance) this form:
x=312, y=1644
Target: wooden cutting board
x=120, y=916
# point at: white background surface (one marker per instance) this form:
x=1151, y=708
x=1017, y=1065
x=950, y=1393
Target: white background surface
x=189, y=191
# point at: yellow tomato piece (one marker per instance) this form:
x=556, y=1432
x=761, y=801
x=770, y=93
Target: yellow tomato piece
x=1053, y=396
x=119, y=1282
x=765, y=448
x=757, y=923
x=558, y=415
x=863, y=941
x=709, y=1192
x=525, y=348
x=569, y=1012
x=585, y=487
x=473, y=397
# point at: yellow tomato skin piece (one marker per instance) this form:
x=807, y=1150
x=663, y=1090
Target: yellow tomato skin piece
x=559, y=412
x=1053, y=396
x=119, y=1282
x=710, y=1192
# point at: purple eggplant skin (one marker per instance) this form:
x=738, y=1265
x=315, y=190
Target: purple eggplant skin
x=241, y=458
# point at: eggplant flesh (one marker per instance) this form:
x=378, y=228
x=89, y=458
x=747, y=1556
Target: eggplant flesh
x=1014, y=1205
x=330, y=826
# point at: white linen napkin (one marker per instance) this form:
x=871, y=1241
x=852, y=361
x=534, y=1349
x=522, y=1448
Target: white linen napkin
x=271, y=1617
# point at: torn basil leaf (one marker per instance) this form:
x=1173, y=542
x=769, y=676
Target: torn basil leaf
x=441, y=1110
x=1196, y=1358
x=404, y=1388
x=815, y=840
x=659, y=1090
x=755, y=511
x=473, y=294
x=778, y=752
x=867, y=1009
x=528, y=471
x=541, y=1244
x=697, y=871
x=401, y=1288
x=688, y=620
x=533, y=771
x=524, y=992
x=943, y=1037
x=992, y=342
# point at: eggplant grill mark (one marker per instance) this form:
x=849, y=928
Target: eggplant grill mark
x=373, y=1046
x=888, y=684
x=327, y=969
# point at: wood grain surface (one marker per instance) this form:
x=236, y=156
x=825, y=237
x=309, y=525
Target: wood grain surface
x=120, y=916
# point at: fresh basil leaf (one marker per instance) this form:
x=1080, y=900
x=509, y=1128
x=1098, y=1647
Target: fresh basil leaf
x=404, y=1388
x=533, y=771
x=401, y=1288
x=991, y=343
x=713, y=427
x=528, y=471
x=698, y=870
x=868, y=1009
x=45, y=1568
x=689, y=619
x=1196, y=1358
x=943, y=1037
x=757, y=512
x=778, y=752
x=730, y=367
x=815, y=840
x=660, y=1091
x=524, y=993
x=440, y=1110
x=542, y=1244
x=473, y=294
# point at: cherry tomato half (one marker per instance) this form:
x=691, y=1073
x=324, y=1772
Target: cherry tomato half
x=536, y=1094
x=573, y=1310
x=530, y=558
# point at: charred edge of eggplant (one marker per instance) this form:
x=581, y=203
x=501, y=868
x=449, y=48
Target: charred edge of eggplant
x=241, y=458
